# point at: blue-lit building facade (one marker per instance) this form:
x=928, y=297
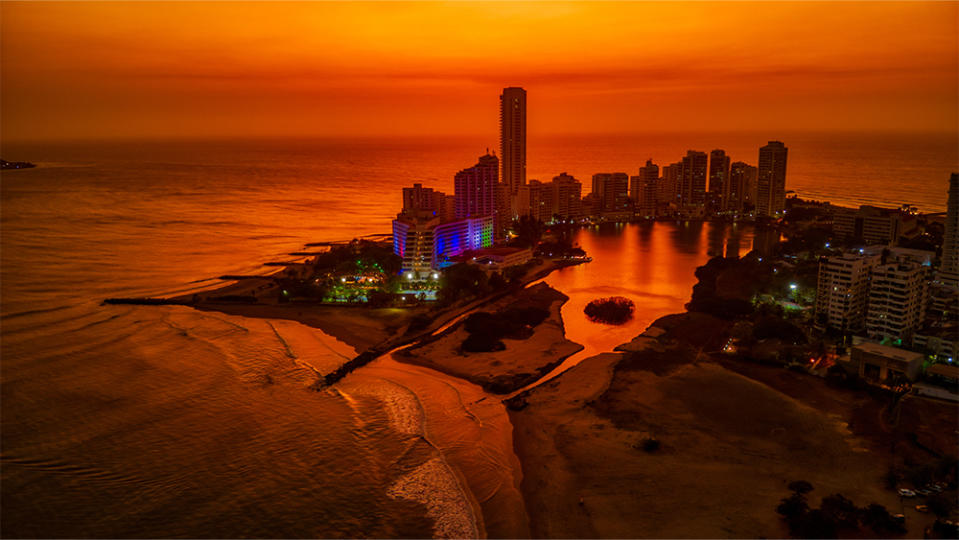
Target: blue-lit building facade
x=426, y=244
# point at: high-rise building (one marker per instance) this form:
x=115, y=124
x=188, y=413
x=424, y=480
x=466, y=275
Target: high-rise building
x=512, y=108
x=949, y=266
x=771, y=183
x=671, y=186
x=567, y=197
x=643, y=189
x=503, y=219
x=898, y=295
x=694, y=172
x=418, y=198
x=475, y=188
x=741, y=177
x=718, y=179
x=843, y=290
x=612, y=192
x=413, y=242
x=540, y=200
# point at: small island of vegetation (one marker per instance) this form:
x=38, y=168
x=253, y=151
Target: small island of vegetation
x=611, y=310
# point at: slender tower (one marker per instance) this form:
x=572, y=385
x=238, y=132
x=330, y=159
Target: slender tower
x=512, y=110
x=949, y=267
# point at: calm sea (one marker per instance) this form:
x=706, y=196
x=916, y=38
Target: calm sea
x=130, y=421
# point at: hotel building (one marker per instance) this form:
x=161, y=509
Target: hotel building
x=426, y=244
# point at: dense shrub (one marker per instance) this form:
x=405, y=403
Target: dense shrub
x=800, y=486
x=650, y=444
x=775, y=327
x=487, y=329
x=462, y=281
x=836, y=514
x=612, y=310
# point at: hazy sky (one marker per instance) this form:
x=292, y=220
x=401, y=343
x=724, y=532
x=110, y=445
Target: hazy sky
x=96, y=70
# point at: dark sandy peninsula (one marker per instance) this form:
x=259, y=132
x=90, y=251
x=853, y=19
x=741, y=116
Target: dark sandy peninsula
x=523, y=360
x=729, y=442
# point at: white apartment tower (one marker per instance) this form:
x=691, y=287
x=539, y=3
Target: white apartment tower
x=843, y=290
x=898, y=294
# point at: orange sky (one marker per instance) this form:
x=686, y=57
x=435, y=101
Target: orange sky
x=101, y=70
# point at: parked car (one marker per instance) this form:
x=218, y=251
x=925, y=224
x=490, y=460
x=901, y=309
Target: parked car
x=924, y=492
x=934, y=487
x=903, y=492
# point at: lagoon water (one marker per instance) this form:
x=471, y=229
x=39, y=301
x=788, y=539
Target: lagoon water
x=132, y=421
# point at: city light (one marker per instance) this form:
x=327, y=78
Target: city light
x=792, y=286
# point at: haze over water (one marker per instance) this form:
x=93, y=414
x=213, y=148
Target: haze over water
x=123, y=421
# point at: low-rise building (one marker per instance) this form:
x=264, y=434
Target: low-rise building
x=874, y=225
x=880, y=363
x=501, y=257
x=941, y=341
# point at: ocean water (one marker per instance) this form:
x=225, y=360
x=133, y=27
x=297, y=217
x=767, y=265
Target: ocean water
x=136, y=421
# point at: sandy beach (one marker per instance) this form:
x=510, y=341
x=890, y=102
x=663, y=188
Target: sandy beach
x=732, y=435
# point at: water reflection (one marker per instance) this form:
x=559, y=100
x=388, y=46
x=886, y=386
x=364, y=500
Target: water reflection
x=652, y=264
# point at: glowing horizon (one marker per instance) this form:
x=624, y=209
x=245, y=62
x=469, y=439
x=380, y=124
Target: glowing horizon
x=104, y=70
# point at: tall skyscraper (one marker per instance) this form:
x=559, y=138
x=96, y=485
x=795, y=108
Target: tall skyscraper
x=695, y=167
x=475, y=188
x=949, y=267
x=771, y=186
x=718, y=179
x=512, y=110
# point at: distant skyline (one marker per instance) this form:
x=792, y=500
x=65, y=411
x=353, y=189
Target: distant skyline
x=191, y=69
